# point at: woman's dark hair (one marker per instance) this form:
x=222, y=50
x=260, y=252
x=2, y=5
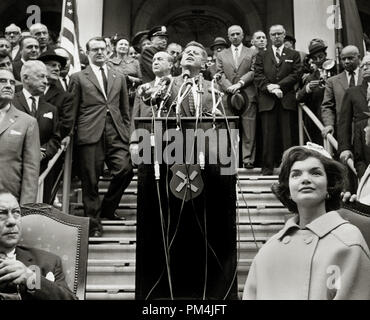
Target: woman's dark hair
x=335, y=173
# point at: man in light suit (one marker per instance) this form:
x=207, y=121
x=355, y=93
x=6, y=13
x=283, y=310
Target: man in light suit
x=17, y=279
x=31, y=101
x=19, y=145
x=236, y=65
x=336, y=87
x=101, y=109
x=277, y=71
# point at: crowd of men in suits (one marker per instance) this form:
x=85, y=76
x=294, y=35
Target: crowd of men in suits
x=43, y=103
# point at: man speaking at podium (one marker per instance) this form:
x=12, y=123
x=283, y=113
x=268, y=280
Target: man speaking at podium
x=186, y=233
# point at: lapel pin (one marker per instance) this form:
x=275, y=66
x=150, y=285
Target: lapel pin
x=12, y=120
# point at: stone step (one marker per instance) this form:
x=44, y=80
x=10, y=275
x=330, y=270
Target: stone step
x=245, y=199
x=123, y=251
x=125, y=275
x=244, y=230
x=258, y=214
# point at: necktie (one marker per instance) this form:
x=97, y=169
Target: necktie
x=352, y=82
x=105, y=82
x=278, y=55
x=33, y=106
x=236, y=56
x=65, y=83
x=191, y=103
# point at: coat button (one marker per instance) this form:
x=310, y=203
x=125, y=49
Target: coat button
x=286, y=240
x=308, y=240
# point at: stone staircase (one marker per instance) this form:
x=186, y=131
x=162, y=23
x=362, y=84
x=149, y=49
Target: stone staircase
x=111, y=264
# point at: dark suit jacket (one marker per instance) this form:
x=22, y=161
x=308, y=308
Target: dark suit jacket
x=64, y=102
x=90, y=106
x=47, y=262
x=17, y=66
x=352, y=111
x=146, y=59
x=361, y=151
x=47, y=119
x=286, y=74
x=335, y=88
x=19, y=155
x=313, y=99
x=233, y=73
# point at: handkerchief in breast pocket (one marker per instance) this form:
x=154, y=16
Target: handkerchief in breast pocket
x=48, y=115
x=50, y=276
x=15, y=133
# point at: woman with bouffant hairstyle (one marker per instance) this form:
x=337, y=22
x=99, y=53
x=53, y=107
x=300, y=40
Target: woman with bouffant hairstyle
x=317, y=255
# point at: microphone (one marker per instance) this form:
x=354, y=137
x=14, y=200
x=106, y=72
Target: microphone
x=186, y=75
x=163, y=85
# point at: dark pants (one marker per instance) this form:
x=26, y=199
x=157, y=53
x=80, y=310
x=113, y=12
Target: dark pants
x=276, y=130
x=111, y=150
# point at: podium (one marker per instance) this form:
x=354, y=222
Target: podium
x=186, y=245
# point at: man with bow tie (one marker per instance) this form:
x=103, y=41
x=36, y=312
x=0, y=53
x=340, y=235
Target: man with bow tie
x=102, y=119
x=19, y=145
x=18, y=277
x=277, y=71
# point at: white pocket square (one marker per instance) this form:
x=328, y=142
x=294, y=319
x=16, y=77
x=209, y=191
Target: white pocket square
x=50, y=276
x=48, y=115
x=15, y=133
x=291, y=61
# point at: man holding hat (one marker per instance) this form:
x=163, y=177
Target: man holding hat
x=158, y=36
x=235, y=63
x=54, y=92
x=312, y=93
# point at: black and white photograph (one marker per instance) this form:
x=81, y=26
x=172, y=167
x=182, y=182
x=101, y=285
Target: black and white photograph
x=184, y=158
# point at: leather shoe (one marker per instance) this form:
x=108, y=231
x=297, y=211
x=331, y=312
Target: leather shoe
x=96, y=234
x=248, y=165
x=114, y=217
x=267, y=172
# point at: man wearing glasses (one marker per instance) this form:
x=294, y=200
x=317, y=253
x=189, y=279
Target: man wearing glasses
x=19, y=279
x=13, y=34
x=277, y=71
x=356, y=102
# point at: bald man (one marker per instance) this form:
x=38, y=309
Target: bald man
x=31, y=101
x=352, y=115
x=236, y=65
x=41, y=32
x=336, y=87
x=13, y=34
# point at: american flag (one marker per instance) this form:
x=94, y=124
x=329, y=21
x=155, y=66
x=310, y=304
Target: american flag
x=69, y=32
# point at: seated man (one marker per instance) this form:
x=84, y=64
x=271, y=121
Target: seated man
x=26, y=273
x=363, y=190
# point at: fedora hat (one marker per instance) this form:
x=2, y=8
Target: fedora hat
x=138, y=38
x=51, y=55
x=238, y=102
x=316, y=47
x=219, y=41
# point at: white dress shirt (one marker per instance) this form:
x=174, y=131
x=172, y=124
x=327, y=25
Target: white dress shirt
x=15, y=51
x=275, y=49
x=356, y=76
x=28, y=95
x=98, y=75
x=3, y=112
x=236, y=54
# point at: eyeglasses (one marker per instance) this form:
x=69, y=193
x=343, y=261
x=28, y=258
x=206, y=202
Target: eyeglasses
x=276, y=34
x=4, y=214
